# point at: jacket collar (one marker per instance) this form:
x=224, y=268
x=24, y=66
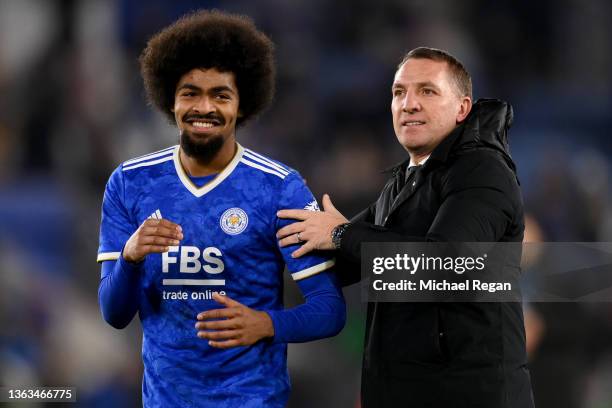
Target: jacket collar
x=396, y=167
x=442, y=151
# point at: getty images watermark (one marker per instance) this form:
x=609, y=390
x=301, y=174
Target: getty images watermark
x=487, y=272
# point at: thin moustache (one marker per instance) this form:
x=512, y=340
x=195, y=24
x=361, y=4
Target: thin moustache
x=204, y=117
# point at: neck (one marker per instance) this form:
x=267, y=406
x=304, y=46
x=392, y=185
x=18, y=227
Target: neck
x=417, y=158
x=197, y=168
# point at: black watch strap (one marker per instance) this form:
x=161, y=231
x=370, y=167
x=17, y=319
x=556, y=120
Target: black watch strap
x=337, y=234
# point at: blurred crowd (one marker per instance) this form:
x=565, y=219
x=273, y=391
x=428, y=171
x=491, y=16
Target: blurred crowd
x=72, y=108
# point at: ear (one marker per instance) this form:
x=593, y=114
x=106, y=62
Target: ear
x=464, y=108
x=240, y=114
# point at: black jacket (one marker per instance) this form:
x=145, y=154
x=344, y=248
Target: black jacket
x=447, y=355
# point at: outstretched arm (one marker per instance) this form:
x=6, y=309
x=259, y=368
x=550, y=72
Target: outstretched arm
x=479, y=202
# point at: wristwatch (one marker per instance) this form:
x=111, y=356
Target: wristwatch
x=337, y=234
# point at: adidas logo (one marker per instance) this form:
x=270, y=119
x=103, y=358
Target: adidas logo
x=156, y=215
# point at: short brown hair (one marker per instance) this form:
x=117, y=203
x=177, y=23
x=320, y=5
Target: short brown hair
x=210, y=39
x=460, y=76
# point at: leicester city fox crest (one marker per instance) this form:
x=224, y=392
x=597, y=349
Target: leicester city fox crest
x=233, y=221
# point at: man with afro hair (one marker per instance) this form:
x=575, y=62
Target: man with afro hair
x=187, y=237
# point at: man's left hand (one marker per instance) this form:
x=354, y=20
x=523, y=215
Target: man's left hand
x=314, y=230
x=240, y=325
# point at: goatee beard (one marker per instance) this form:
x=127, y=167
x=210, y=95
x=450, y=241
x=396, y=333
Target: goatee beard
x=203, y=152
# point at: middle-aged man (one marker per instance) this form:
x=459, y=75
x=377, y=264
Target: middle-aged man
x=458, y=185
x=187, y=237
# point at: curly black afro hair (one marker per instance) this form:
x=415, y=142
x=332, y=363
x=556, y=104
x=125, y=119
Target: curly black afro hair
x=210, y=39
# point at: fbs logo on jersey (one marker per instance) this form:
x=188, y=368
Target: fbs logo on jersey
x=312, y=206
x=189, y=257
x=234, y=221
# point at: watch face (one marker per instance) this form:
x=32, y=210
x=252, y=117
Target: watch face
x=337, y=235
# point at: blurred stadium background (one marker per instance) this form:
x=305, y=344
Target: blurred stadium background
x=72, y=108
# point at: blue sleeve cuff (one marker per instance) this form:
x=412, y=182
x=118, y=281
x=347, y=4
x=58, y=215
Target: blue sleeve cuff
x=279, y=326
x=126, y=266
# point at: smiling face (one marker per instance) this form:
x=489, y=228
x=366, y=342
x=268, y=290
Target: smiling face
x=205, y=110
x=426, y=105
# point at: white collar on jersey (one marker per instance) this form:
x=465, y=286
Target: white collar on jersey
x=200, y=191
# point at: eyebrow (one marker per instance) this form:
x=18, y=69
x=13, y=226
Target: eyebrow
x=418, y=84
x=222, y=88
x=188, y=86
x=216, y=89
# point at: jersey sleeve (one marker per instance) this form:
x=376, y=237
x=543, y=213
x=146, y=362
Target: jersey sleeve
x=295, y=195
x=116, y=226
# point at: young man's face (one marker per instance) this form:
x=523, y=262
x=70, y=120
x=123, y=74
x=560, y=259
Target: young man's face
x=206, y=109
x=426, y=106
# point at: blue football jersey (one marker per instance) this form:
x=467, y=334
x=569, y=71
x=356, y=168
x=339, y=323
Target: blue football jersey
x=229, y=246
